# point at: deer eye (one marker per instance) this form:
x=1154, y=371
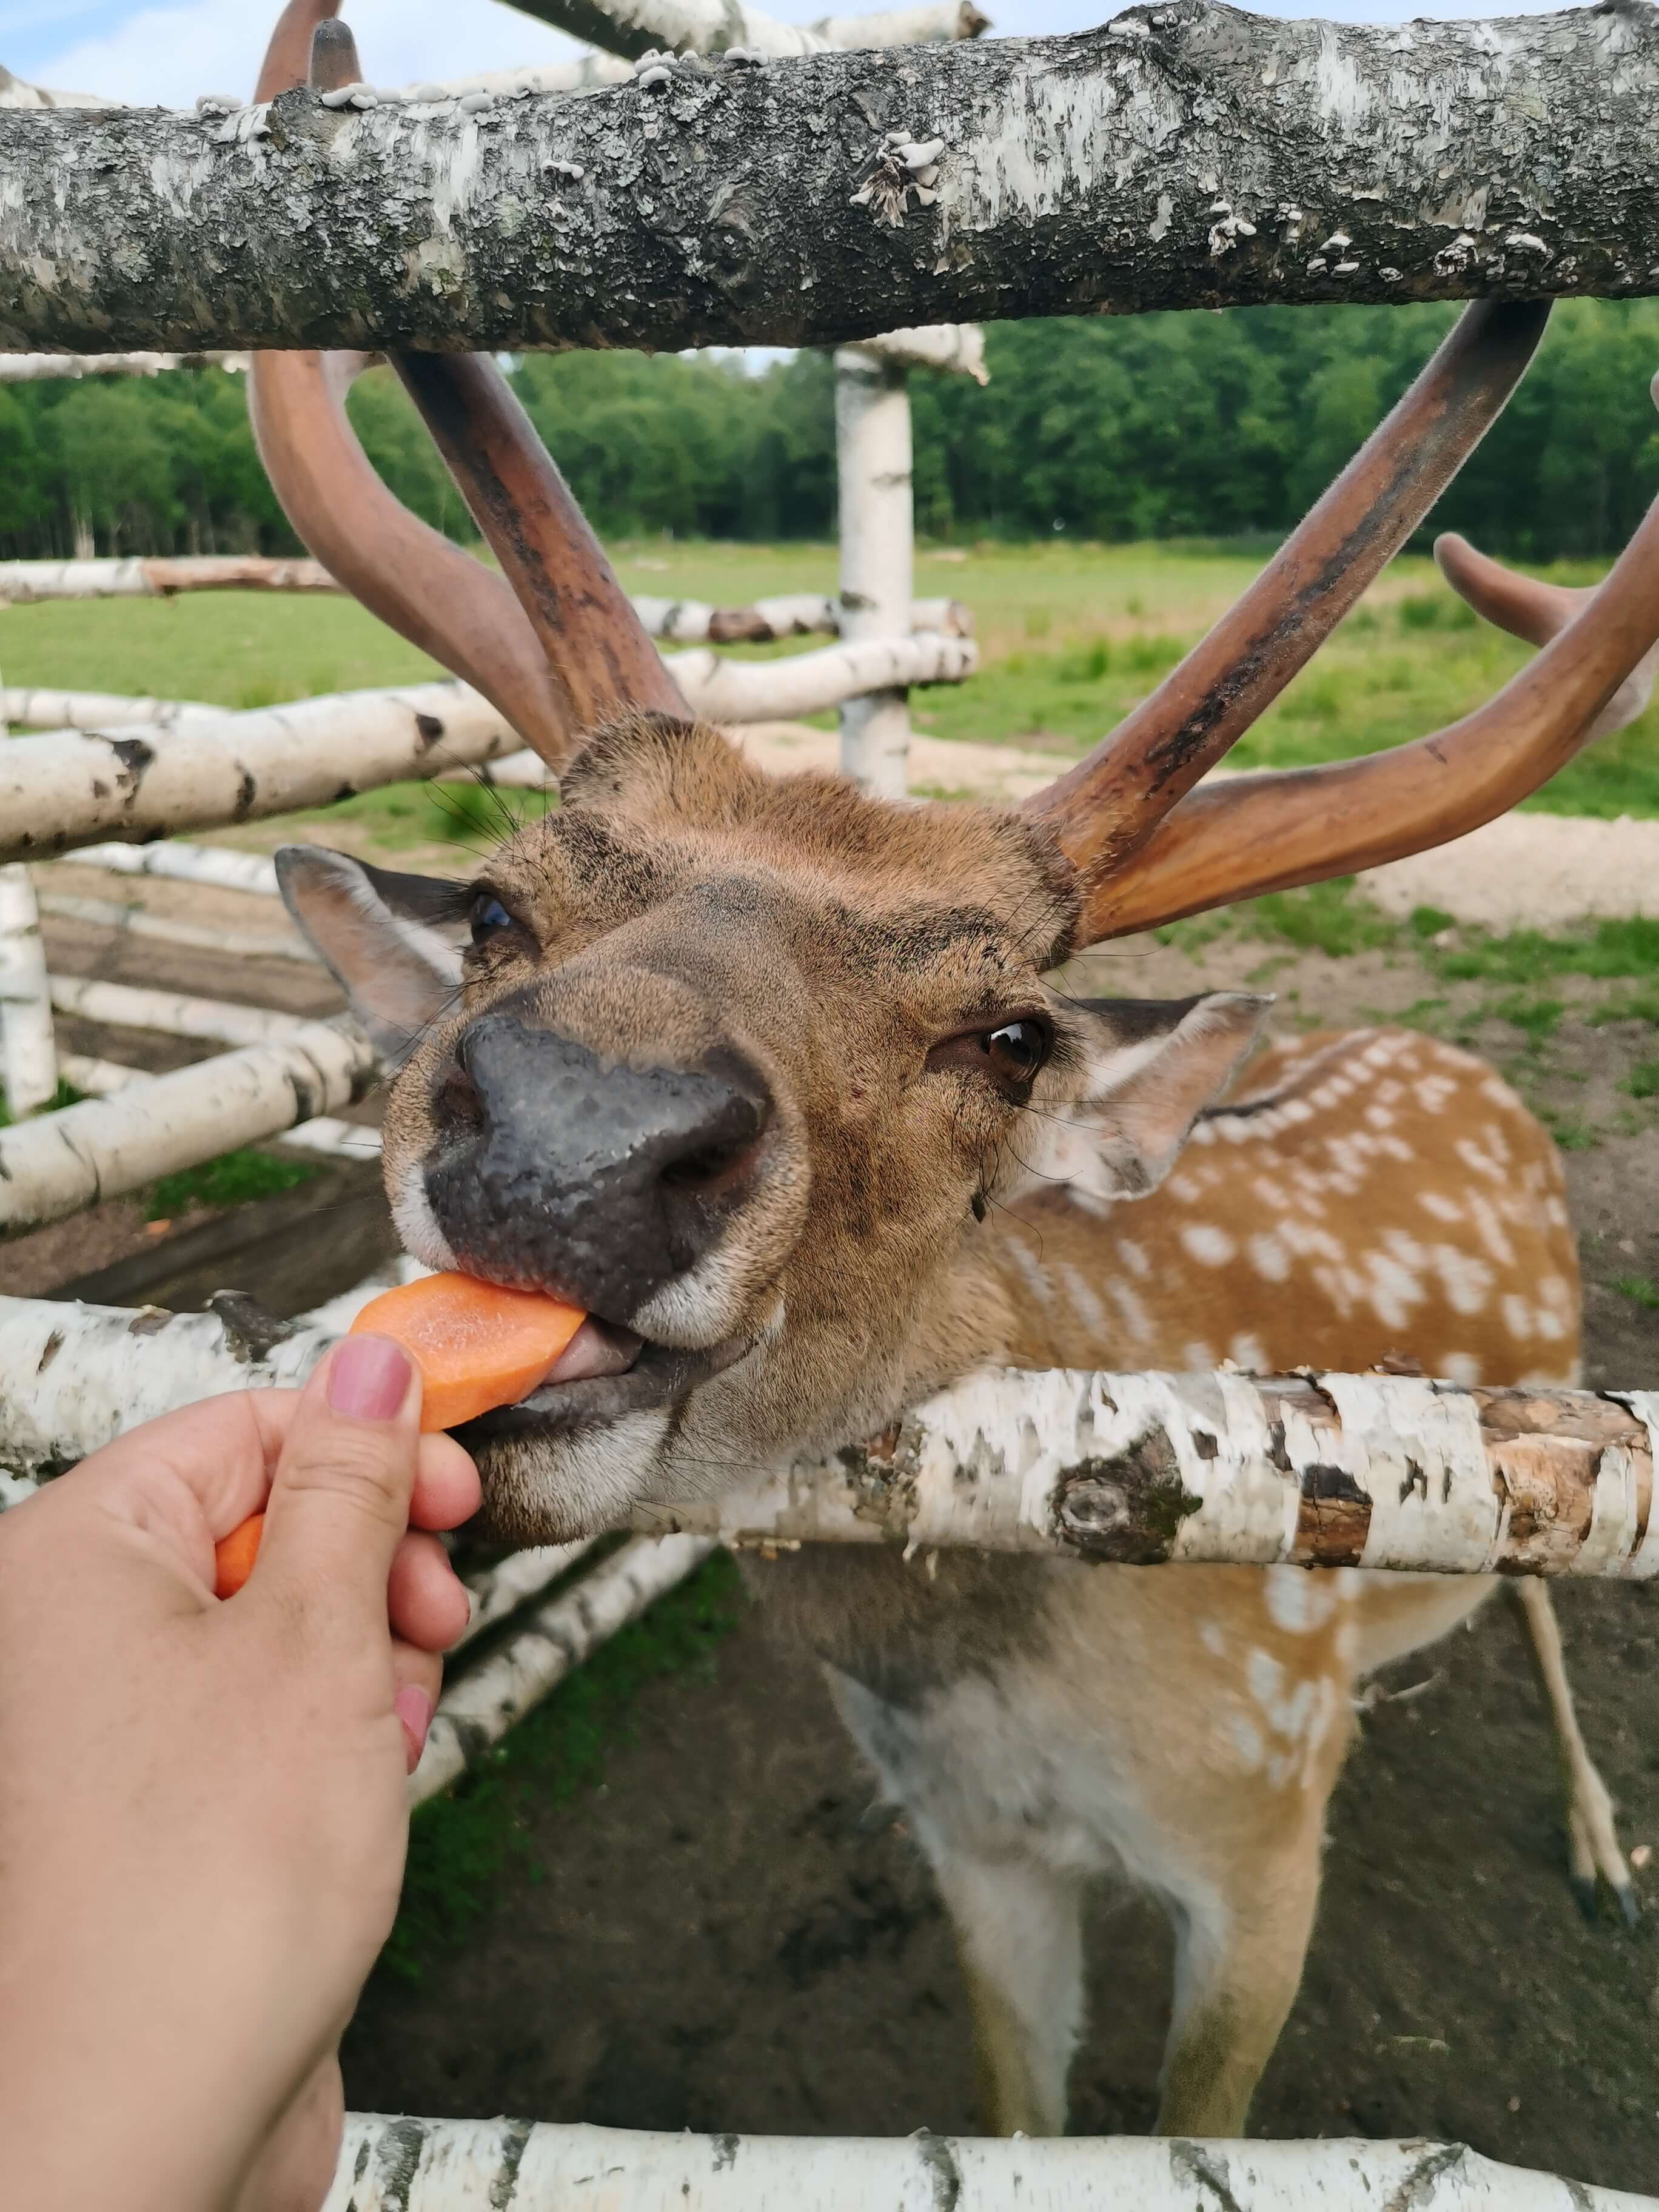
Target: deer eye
x=1017, y=1050
x=1010, y=1055
x=489, y=918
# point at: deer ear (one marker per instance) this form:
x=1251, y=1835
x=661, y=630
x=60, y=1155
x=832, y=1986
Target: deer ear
x=1153, y=1065
x=393, y=942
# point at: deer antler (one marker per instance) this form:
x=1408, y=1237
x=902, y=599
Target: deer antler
x=1107, y=807
x=574, y=652
x=1537, y=613
x=1275, y=830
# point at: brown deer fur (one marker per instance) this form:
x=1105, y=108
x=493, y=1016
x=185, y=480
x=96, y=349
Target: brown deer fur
x=908, y=1216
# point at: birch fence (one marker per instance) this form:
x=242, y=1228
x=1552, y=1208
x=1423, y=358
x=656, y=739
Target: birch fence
x=974, y=179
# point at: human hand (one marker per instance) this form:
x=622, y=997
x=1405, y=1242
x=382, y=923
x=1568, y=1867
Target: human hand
x=203, y=1804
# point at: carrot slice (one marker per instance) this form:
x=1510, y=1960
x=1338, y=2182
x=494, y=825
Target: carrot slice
x=476, y=1345
x=234, y=1557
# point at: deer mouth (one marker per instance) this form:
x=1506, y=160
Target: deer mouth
x=604, y=1372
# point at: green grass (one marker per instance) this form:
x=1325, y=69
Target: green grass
x=1642, y=1081
x=231, y=1180
x=1639, y=1291
x=1071, y=636
x=66, y=1095
x=462, y=1844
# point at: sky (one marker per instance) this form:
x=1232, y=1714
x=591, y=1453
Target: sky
x=136, y=51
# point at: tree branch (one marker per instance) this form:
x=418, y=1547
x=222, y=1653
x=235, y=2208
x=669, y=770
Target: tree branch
x=633, y=27
x=1186, y=156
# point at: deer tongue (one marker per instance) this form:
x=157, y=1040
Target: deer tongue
x=597, y=1348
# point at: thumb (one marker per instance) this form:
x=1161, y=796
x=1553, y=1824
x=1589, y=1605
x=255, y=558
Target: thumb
x=340, y=1498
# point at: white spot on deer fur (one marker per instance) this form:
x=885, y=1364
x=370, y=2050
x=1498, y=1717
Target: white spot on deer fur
x=1297, y=1602
x=1265, y=1678
x=1029, y=1264
x=1467, y=1281
x=1133, y=1258
x=1245, y=1351
x=1197, y=1358
x=1431, y=1092
x=1136, y=1318
x=1246, y=1740
x=1084, y=1304
x=1436, y=1203
x=1394, y=1289
x=1345, y=1642
x=1183, y=1187
x=1268, y=1257
x=1461, y=1367
x=1518, y=1314
x=1210, y=1635
x=1210, y=1246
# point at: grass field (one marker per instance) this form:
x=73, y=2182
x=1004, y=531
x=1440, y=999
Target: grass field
x=1071, y=636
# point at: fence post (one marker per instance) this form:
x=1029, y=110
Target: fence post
x=28, y=1051
x=878, y=554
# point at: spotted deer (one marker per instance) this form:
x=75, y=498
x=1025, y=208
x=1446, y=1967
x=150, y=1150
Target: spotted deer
x=780, y=1083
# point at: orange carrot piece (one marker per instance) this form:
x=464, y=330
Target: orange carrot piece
x=234, y=1557
x=476, y=1345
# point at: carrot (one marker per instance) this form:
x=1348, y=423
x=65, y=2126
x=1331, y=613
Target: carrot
x=476, y=1345
x=234, y=1557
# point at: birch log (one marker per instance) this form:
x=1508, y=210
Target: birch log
x=61, y=1161
x=44, y=368
x=633, y=27
x=325, y=1134
x=60, y=790
x=37, y=709
x=217, y=864
x=28, y=1053
x=403, y=2164
x=1387, y=1472
x=807, y=682
x=26, y=583
x=479, y=1707
x=878, y=555
x=1187, y=155
x=790, y=614
x=172, y=1013
x=14, y=93
x=161, y=929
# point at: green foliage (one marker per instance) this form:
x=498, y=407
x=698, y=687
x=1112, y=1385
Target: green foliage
x=1220, y=428
x=231, y=1180
x=1627, y=946
x=1538, y=1018
x=1642, y=1081
x=1331, y=918
x=461, y=1844
x=1639, y=1291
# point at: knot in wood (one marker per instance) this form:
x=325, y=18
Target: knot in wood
x=1126, y=1509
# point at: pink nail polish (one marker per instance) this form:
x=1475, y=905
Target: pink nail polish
x=368, y=1378
x=414, y=1708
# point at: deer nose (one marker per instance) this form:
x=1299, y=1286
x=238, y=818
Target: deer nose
x=556, y=1170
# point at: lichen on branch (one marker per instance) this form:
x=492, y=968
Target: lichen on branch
x=1179, y=156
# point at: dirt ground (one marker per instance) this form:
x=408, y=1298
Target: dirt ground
x=721, y=1936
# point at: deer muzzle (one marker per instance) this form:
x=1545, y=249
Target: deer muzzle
x=556, y=1169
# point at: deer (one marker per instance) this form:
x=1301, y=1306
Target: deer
x=783, y=1085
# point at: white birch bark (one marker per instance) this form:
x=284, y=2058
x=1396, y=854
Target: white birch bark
x=952, y=349
x=172, y=1013
x=28, y=1054
x=635, y=27
x=1355, y=1471
x=485, y=1701
x=225, y=869
x=807, y=682
x=60, y=790
x=44, y=367
x=14, y=93
x=38, y=709
x=1383, y=1471
x=60, y=1162
x=878, y=555
x=163, y=929
x=27, y=583
x=497, y=1592
x=1183, y=155
x=790, y=614
x=404, y=2164
x=325, y=1134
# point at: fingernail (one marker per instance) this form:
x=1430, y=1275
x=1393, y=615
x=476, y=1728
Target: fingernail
x=414, y=1708
x=368, y=1378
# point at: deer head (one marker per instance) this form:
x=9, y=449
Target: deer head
x=742, y=1064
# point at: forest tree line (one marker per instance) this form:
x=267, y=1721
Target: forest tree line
x=1197, y=426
